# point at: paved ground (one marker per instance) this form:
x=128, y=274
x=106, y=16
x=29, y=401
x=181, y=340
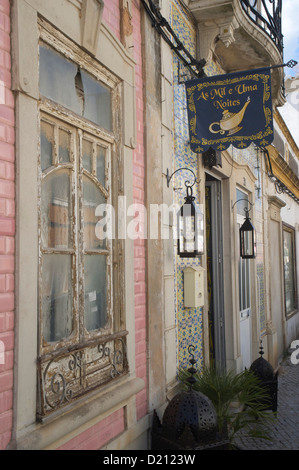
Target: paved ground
x=284, y=431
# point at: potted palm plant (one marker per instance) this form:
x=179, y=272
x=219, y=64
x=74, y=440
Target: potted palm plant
x=239, y=401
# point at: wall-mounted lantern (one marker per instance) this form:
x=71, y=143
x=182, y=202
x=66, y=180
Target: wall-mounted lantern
x=247, y=238
x=211, y=158
x=247, y=235
x=190, y=223
x=190, y=227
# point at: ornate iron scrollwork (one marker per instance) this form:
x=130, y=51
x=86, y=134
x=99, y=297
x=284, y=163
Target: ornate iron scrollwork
x=66, y=377
x=267, y=16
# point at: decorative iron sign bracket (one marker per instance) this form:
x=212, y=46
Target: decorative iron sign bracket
x=187, y=183
x=291, y=64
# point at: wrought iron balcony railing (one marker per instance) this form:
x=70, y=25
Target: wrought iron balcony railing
x=266, y=14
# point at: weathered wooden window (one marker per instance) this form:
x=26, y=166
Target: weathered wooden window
x=81, y=343
x=67, y=84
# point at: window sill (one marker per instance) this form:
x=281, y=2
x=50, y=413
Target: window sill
x=81, y=416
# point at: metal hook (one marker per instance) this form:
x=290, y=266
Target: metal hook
x=191, y=348
x=246, y=210
x=187, y=182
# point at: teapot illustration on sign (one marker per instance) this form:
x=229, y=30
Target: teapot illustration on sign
x=230, y=121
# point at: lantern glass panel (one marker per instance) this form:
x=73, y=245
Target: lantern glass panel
x=190, y=231
x=247, y=240
x=200, y=232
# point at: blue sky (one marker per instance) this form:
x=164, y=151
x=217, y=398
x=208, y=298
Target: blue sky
x=290, y=30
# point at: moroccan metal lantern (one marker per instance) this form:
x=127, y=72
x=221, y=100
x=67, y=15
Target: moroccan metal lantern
x=247, y=238
x=268, y=380
x=189, y=421
x=190, y=227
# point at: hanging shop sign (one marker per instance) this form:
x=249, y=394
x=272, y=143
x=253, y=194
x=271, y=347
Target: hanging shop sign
x=234, y=109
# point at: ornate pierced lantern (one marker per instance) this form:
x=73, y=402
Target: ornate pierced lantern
x=189, y=421
x=190, y=226
x=268, y=380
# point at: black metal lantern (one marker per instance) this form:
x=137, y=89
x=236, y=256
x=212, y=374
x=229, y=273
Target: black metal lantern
x=190, y=228
x=268, y=380
x=211, y=158
x=189, y=421
x=247, y=238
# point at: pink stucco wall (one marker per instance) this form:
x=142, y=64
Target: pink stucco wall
x=139, y=197
x=7, y=227
x=111, y=16
x=110, y=427
x=100, y=434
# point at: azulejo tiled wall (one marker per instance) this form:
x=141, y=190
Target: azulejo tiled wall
x=189, y=321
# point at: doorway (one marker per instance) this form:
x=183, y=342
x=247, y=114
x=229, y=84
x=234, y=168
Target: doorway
x=214, y=244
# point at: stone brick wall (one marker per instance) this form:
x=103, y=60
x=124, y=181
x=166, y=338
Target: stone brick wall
x=7, y=227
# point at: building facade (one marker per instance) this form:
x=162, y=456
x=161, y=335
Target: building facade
x=71, y=78
x=243, y=301
x=94, y=155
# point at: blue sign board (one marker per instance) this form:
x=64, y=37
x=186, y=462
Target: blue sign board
x=234, y=109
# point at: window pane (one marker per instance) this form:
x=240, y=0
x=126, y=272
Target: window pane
x=64, y=146
x=46, y=145
x=56, y=210
x=92, y=197
x=57, y=79
x=288, y=256
x=242, y=203
x=56, y=291
x=240, y=285
x=87, y=155
x=97, y=101
x=63, y=82
x=101, y=165
x=95, y=292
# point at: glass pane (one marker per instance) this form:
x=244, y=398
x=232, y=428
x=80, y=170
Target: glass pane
x=288, y=257
x=64, y=146
x=46, y=145
x=240, y=285
x=92, y=197
x=57, y=79
x=101, y=165
x=242, y=204
x=95, y=292
x=56, y=210
x=97, y=101
x=189, y=234
x=87, y=155
x=244, y=284
x=247, y=263
x=186, y=227
x=56, y=291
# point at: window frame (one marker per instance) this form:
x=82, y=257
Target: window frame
x=32, y=22
x=83, y=342
x=77, y=171
x=289, y=229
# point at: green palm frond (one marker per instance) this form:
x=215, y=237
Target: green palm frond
x=239, y=400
